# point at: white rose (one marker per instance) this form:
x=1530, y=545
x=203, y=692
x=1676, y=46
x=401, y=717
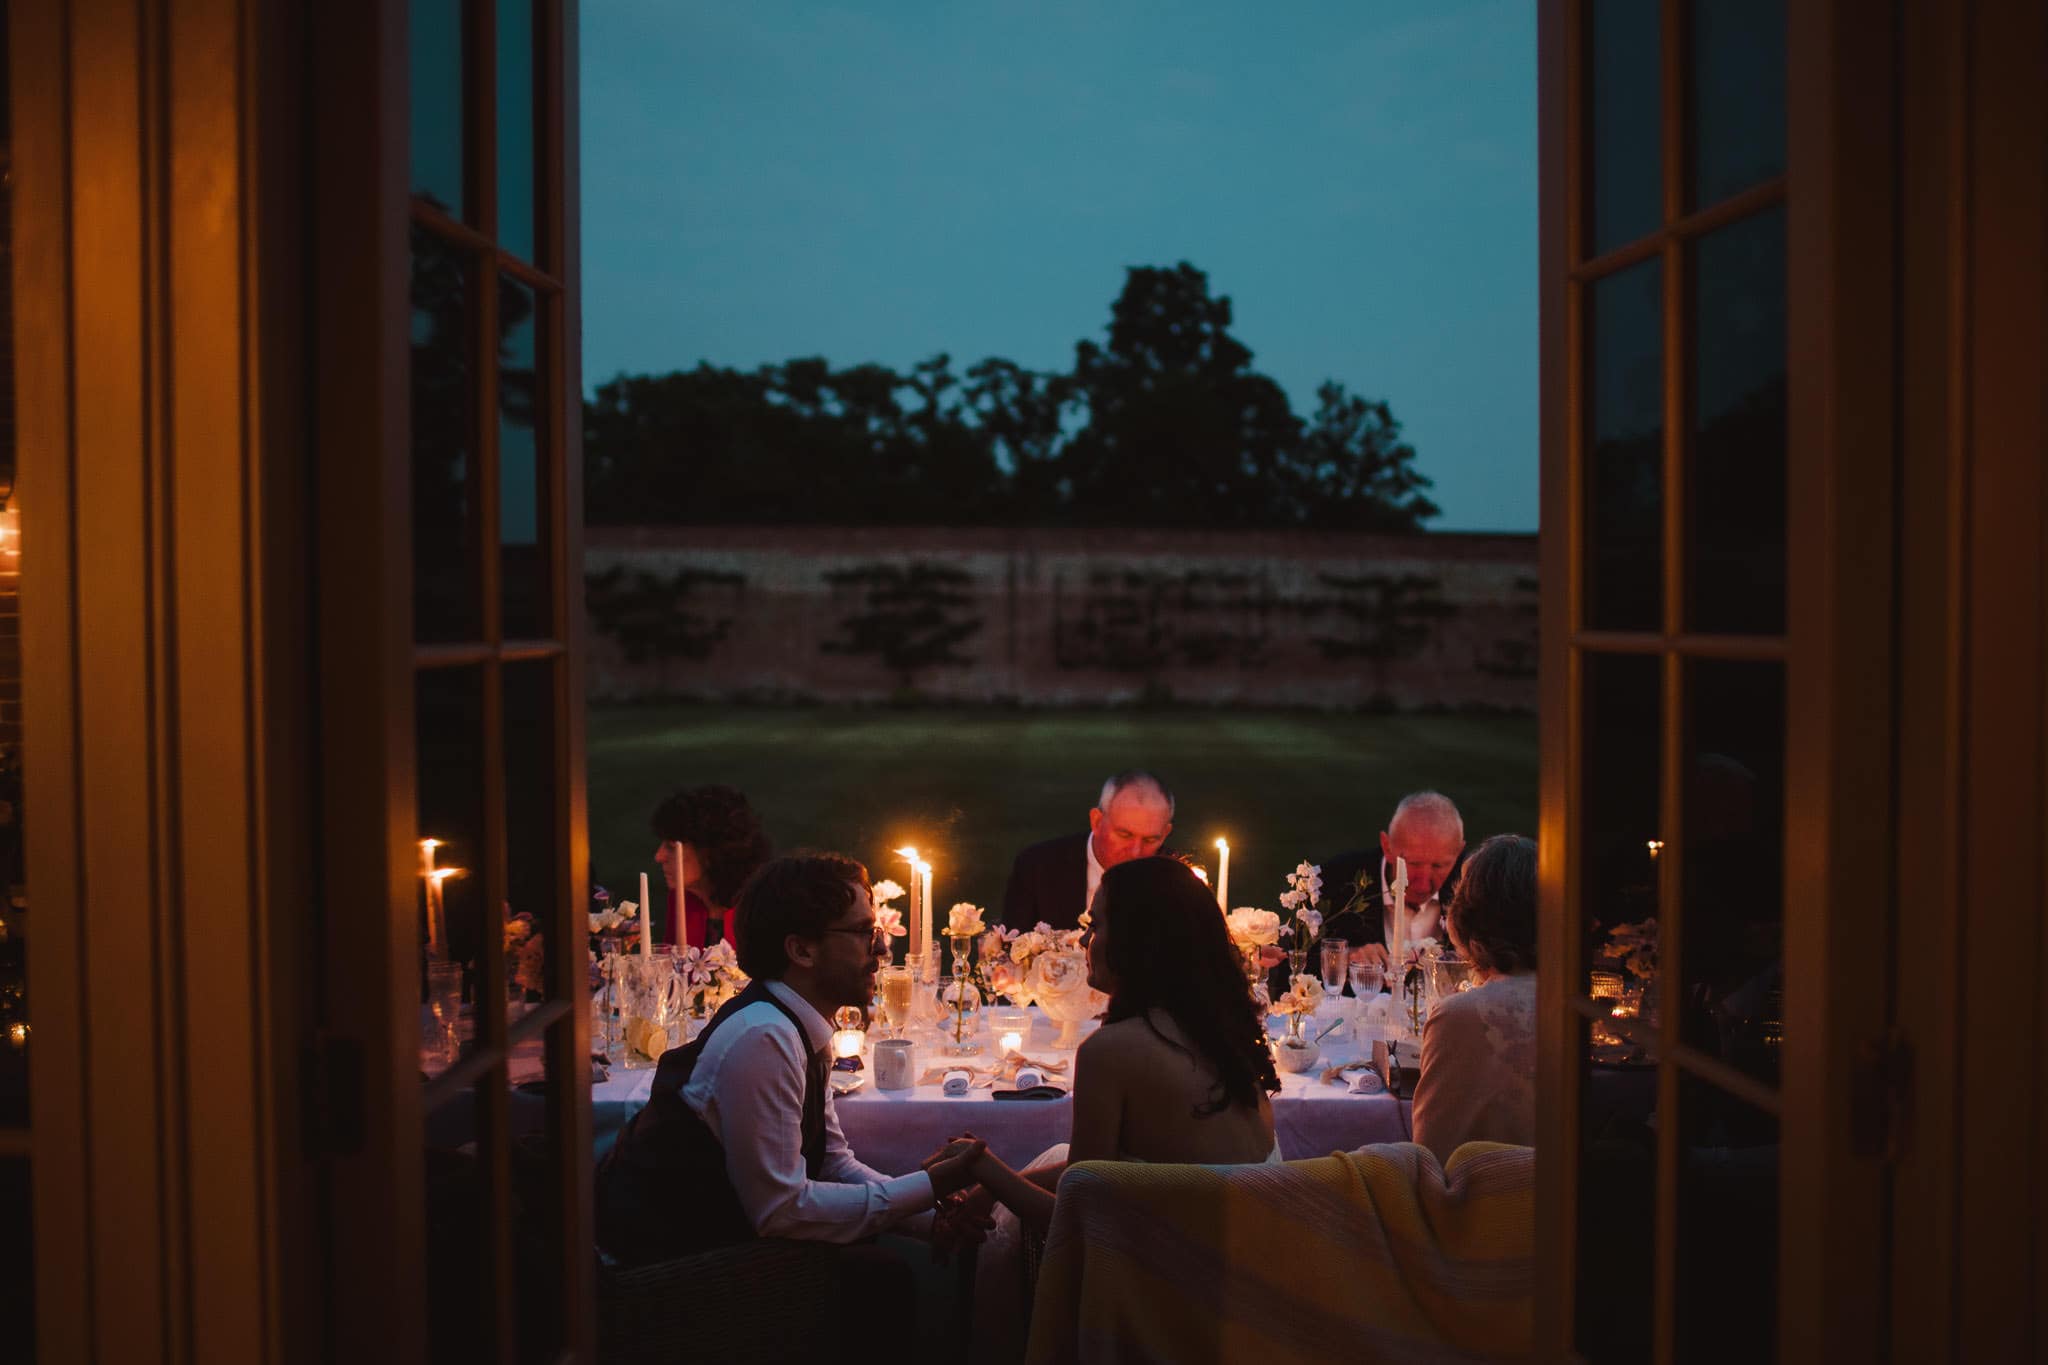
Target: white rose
x=1260, y=928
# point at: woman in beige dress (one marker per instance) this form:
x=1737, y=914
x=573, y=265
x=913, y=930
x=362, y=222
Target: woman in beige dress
x=1179, y=1070
x=1478, y=1081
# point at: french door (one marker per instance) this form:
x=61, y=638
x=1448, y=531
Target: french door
x=453, y=590
x=1702, y=740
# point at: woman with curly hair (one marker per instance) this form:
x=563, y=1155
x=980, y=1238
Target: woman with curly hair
x=1179, y=1070
x=711, y=842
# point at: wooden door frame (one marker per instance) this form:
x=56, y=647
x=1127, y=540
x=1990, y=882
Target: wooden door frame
x=368, y=1046
x=1841, y=698
x=160, y=328
x=1840, y=653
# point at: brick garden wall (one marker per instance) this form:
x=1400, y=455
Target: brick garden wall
x=1045, y=617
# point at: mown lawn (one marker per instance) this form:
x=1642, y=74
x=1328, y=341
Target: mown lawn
x=970, y=787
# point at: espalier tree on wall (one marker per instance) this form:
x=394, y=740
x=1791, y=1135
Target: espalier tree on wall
x=1162, y=422
x=913, y=617
x=652, y=616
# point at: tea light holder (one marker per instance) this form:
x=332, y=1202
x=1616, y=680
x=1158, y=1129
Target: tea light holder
x=1012, y=1026
x=848, y=1039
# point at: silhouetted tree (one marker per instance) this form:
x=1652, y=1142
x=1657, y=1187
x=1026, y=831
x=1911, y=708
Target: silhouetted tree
x=1163, y=422
x=1353, y=472
x=1181, y=431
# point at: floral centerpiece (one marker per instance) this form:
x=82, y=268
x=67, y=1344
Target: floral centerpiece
x=1632, y=1005
x=1253, y=929
x=964, y=926
x=888, y=919
x=710, y=977
x=525, y=956
x=1634, y=946
x=1303, y=997
x=1304, y=890
x=1008, y=966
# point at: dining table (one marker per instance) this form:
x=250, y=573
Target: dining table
x=894, y=1130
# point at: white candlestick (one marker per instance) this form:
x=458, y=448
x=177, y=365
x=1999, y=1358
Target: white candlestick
x=924, y=871
x=1223, y=875
x=914, y=922
x=427, y=847
x=1400, y=913
x=646, y=939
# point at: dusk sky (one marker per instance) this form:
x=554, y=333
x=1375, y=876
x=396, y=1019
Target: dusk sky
x=884, y=182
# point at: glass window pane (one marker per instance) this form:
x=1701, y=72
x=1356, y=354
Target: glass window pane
x=438, y=80
x=1727, y=1306
x=524, y=508
x=1624, y=407
x=1737, y=126
x=446, y=596
x=518, y=138
x=1734, y=863
x=1625, y=121
x=1735, y=505
x=1619, y=840
x=459, y=1220
x=1617, y=1211
x=540, y=1252
x=534, y=818
x=450, y=781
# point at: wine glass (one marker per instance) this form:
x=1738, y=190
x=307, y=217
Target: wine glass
x=1366, y=979
x=444, y=999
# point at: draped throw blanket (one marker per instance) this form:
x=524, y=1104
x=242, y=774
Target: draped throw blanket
x=1372, y=1255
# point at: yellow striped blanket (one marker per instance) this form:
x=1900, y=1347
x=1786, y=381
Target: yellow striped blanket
x=1371, y=1255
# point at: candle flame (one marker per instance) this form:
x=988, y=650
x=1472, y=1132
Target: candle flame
x=909, y=853
x=442, y=873
x=1656, y=846
x=1202, y=875
x=430, y=844
x=1223, y=844
x=922, y=867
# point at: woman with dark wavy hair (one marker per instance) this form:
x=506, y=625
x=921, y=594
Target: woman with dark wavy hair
x=1179, y=1070
x=711, y=842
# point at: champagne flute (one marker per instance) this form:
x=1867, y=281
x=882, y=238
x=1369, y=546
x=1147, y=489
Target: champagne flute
x=897, y=985
x=1336, y=958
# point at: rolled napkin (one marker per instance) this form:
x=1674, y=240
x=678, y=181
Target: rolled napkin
x=956, y=1082
x=1368, y=1082
x=1028, y=1076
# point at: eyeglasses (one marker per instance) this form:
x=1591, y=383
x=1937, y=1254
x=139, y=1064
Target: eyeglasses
x=873, y=934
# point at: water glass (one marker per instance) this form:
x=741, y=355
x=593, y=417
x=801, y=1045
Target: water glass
x=1366, y=979
x=444, y=1000
x=1336, y=957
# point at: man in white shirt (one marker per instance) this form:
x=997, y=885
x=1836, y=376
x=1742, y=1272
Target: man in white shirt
x=1429, y=833
x=739, y=1138
x=1054, y=881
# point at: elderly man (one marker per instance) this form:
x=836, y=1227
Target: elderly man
x=1055, y=881
x=1430, y=834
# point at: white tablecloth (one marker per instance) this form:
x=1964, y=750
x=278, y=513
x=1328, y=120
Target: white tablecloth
x=893, y=1130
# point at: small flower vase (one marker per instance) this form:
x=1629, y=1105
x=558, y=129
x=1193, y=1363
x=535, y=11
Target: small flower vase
x=1296, y=1051
x=963, y=957
x=960, y=1028
x=1297, y=962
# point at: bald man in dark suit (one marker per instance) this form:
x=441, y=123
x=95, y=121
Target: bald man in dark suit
x=1055, y=880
